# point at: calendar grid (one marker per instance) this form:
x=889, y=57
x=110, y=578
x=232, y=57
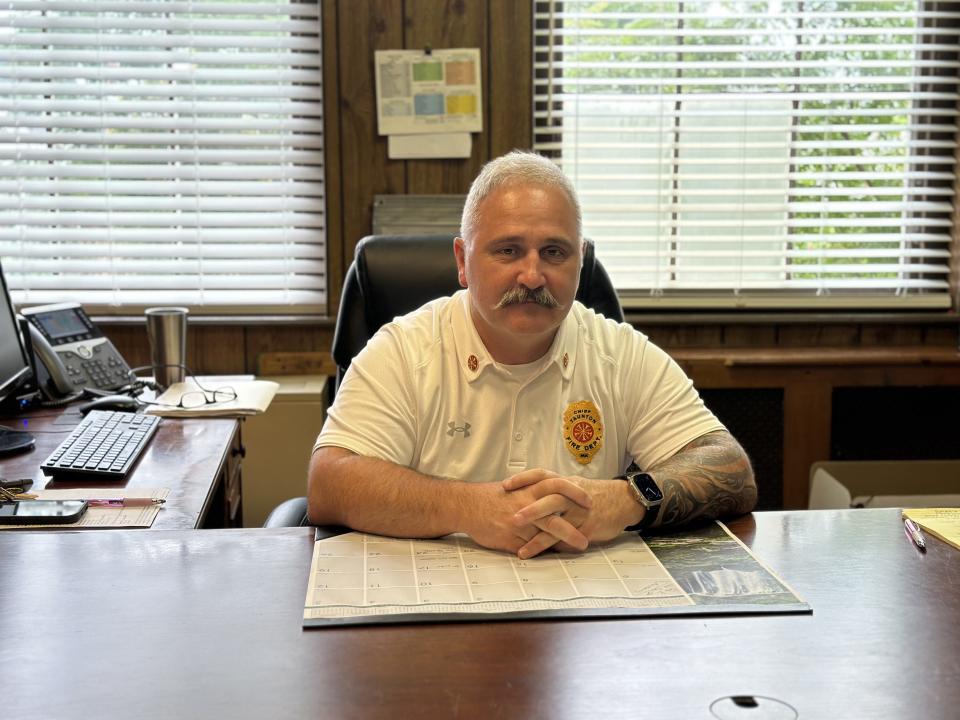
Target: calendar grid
x=359, y=576
x=357, y=573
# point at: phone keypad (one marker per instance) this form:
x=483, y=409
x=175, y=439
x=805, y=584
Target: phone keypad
x=107, y=374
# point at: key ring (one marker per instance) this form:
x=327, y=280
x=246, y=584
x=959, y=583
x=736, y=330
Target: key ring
x=14, y=485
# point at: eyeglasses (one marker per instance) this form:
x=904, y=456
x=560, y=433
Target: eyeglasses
x=199, y=398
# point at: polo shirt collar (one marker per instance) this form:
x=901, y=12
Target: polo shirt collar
x=473, y=357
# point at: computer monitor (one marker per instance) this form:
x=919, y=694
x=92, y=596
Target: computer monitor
x=15, y=369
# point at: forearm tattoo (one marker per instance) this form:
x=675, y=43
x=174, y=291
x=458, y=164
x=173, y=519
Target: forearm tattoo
x=710, y=478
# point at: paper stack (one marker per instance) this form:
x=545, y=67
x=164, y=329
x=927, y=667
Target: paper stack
x=184, y=399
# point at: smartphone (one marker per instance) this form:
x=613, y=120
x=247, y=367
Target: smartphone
x=37, y=512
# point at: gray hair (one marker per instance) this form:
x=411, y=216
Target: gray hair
x=515, y=168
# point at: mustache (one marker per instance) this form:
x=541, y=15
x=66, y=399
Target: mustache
x=521, y=294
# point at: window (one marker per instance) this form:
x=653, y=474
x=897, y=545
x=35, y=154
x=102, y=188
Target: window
x=774, y=153
x=163, y=152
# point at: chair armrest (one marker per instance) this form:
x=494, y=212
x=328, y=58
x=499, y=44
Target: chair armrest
x=289, y=513
x=293, y=513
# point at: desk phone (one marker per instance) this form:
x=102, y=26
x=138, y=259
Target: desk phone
x=73, y=351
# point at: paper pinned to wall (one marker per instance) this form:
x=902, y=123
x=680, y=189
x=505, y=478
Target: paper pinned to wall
x=421, y=92
x=442, y=145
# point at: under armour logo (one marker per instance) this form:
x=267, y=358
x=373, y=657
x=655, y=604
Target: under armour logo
x=453, y=428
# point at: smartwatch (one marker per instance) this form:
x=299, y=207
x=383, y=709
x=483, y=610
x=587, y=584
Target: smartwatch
x=647, y=493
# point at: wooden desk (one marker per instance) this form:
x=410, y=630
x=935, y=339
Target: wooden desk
x=199, y=460
x=208, y=624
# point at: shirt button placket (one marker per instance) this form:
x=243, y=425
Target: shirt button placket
x=518, y=449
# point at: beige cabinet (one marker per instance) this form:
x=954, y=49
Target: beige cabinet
x=278, y=445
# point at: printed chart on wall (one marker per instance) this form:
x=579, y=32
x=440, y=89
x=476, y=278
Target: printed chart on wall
x=359, y=578
x=436, y=92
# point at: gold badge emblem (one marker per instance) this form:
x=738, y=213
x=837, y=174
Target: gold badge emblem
x=582, y=430
x=473, y=363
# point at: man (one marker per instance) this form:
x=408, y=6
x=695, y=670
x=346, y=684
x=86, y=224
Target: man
x=508, y=411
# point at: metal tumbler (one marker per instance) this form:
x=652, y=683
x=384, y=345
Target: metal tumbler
x=167, y=329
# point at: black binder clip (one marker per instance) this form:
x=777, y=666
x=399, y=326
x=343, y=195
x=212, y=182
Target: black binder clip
x=428, y=50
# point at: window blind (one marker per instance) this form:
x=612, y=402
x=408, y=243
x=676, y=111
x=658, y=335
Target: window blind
x=757, y=153
x=163, y=152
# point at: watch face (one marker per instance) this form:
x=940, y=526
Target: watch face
x=645, y=484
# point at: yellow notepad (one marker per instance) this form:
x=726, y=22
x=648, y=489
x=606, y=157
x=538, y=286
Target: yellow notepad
x=943, y=523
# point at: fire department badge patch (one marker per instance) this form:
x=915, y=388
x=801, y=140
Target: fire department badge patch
x=582, y=430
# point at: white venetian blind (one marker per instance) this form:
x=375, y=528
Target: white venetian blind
x=163, y=152
x=766, y=153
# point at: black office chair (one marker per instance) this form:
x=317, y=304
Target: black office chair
x=392, y=275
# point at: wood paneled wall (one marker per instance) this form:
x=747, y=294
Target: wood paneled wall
x=357, y=162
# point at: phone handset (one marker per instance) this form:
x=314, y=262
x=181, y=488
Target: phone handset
x=55, y=369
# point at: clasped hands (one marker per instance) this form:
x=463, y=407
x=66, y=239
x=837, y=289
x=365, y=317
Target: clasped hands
x=537, y=509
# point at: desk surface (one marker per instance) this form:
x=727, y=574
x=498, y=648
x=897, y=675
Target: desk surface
x=208, y=624
x=185, y=456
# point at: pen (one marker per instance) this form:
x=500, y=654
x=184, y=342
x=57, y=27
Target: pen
x=913, y=532
x=124, y=502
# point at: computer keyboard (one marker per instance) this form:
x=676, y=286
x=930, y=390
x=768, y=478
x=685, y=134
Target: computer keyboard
x=104, y=445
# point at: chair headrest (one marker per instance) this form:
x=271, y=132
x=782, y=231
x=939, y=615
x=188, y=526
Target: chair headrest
x=392, y=275
x=399, y=273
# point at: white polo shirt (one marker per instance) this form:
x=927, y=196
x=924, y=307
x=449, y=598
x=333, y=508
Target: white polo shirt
x=424, y=393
